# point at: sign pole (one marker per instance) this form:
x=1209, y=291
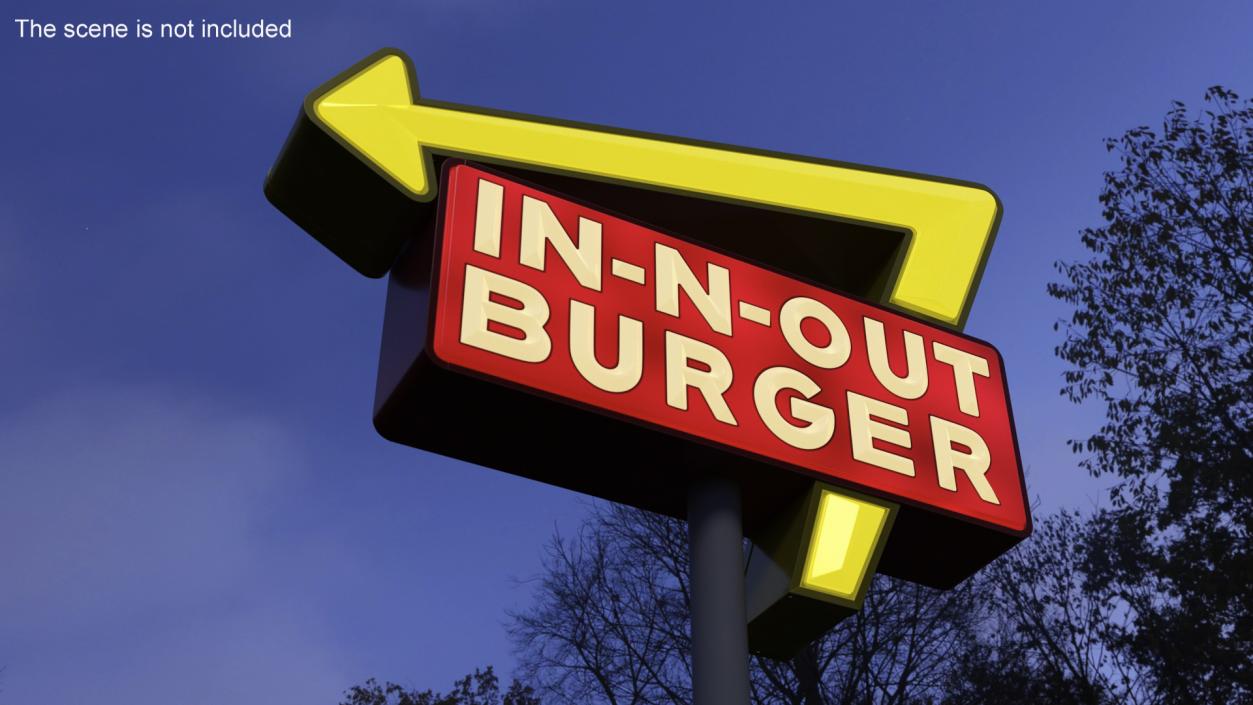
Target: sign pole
x=719, y=623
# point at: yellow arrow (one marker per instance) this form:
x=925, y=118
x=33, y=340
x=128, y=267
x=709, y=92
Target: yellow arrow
x=375, y=111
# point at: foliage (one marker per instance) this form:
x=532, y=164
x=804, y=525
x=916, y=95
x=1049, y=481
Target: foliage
x=479, y=688
x=1161, y=336
x=610, y=625
x=1043, y=634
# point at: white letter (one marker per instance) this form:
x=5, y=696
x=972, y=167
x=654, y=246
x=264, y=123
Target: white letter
x=626, y=374
x=974, y=464
x=672, y=273
x=865, y=430
x=540, y=226
x=794, y=312
x=487, y=217
x=914, y=383
x=965, y=366
x=821, y=420
x=712, y=384
x=477, y=309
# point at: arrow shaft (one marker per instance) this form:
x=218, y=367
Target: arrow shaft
x=817, y=189
x=375, y=110
x=814, y=188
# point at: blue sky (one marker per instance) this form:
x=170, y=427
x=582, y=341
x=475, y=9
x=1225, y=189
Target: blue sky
x=194, y=506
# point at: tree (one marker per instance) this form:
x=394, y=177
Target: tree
x=479, y=688
x=1043, y=635
x=1161, y=335
x=610, y=625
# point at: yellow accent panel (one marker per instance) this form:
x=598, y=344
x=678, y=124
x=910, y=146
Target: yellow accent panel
x=950, y=224
x=845, y=534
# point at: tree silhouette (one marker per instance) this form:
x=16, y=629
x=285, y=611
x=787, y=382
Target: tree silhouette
x=479, y=688
x=1044, y=634
x=610, y=625
x=1161, y=336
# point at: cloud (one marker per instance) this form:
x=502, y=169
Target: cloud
x=138, y=564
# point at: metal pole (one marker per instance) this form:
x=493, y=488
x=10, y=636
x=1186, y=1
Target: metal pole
x=719, y=622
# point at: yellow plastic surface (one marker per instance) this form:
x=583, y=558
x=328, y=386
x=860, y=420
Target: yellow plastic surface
x=846, y=532
x=950, y=224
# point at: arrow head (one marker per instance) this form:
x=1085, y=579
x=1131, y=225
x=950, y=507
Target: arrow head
x=350, y=173
x=364, y=110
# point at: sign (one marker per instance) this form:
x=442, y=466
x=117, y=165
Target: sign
x=764, y=336
x=360, y=165
x=811, y=568
x=532, y=291
x=540, y=291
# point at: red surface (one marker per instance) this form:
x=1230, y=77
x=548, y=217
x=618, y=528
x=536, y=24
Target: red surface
x=751, y=349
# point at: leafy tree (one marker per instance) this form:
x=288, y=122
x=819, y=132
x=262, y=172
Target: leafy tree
x=610, y=625
x=479, y=688
x=1161, y=336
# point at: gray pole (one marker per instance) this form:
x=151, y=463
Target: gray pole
x=719, y=622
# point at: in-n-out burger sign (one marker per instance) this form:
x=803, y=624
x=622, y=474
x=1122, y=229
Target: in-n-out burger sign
x=526, y=310
x=549, y=338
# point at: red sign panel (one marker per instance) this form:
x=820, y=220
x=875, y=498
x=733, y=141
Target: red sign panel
x=561, y=299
